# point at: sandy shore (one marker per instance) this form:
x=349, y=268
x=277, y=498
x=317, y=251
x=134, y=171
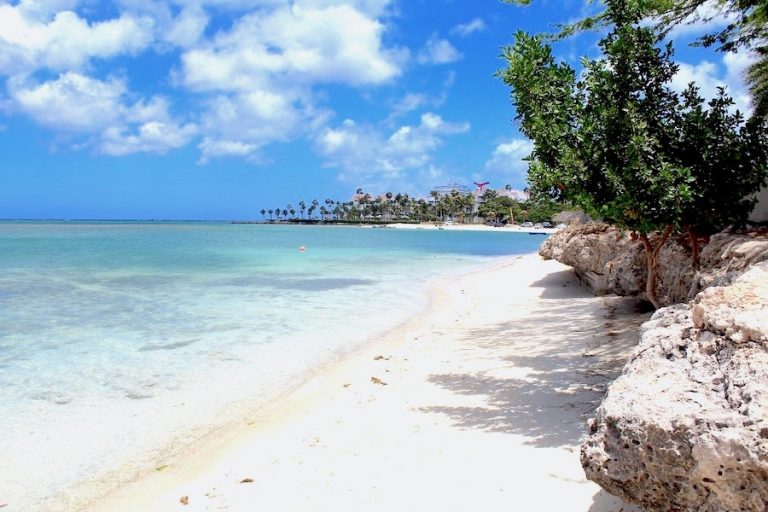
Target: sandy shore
x=475, y=227
x=477, y=404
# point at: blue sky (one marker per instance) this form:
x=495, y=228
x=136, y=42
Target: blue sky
x=214, y=109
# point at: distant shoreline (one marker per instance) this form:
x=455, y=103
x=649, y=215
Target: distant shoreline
x=304, y=222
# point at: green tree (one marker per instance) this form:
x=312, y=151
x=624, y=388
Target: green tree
x=604, y=142
x=748, y=29
x=728, y=160
x=622, y=145
x=499, y=209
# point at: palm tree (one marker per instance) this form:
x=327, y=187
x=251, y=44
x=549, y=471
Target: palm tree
x=436, y=201
x=285, y=214
x=270, y=214
x=315, y=204
x=263, y=213
x=277, y=214
x=302, y=207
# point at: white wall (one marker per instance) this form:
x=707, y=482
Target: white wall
x=760, y=213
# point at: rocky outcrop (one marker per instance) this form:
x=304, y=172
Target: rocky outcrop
x=588, y=249
x=685, y=427
x=611, y=262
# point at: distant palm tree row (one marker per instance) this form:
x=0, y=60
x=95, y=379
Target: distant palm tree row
x=388, y=207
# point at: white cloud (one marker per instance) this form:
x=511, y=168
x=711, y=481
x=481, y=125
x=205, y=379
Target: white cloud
x=257, y=79
x=507, y=160
x=438, y=51
x=150, y=137
x=73, y=102
x=187, y=28
x=374, y=8
x=256, y=118
x=264, y=69
x=218, y=148
x=707, y=18
x=408, y=103
x=83, y=106
x=414, y=101
x=364, y=151
x=290, y=45
x=65, y=42
x=469, y=28
x=708, y=77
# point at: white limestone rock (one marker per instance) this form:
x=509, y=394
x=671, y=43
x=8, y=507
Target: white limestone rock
x=685, y=427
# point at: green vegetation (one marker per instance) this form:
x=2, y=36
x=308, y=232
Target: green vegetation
x=621, y=144
x=390, y=207
x=747, y=30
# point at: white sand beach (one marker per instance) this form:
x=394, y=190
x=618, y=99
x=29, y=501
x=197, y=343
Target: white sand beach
x=512, y=228
x=477, y=404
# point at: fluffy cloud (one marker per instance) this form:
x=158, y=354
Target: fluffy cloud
x=256, y=81
x=508, y=161
x=438, y=51
x=186, y=29
x=73, y=102
x=336, y=44
x=240, y=124
x=364, y=151
x=83, y=106
x=150, y=137
x=264, y=70
x=374, y=8
x=469, y=28
x=66, y=41
x=708, y=77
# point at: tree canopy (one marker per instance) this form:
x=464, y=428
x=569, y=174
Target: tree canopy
x=620, y=143
x=747, y=29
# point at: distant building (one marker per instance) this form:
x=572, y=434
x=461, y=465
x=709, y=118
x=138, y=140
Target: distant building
x=513, y=193
x=450, y=187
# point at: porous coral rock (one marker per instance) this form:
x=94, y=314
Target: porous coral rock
x=685, y=427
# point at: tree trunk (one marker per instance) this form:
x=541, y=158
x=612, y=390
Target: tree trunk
x=652, y=263
x=695, y=252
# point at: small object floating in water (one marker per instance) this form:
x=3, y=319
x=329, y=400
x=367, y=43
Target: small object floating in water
x=302, y=249
x=184, y=500
x=246, y=481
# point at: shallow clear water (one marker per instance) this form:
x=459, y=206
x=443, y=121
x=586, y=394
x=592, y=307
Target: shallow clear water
x=121, y=341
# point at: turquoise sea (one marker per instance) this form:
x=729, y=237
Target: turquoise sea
x=120, y=343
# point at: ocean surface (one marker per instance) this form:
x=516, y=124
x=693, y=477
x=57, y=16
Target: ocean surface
x=121, y=343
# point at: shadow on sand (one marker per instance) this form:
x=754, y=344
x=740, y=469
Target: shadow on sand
x=546, y=387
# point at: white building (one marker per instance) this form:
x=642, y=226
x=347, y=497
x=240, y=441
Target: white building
x=514, y=193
